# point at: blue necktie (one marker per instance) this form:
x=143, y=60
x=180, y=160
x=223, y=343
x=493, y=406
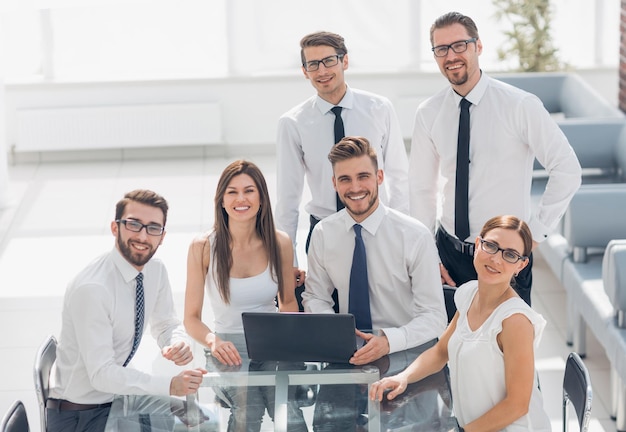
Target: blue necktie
x=139, y=311
x=359, y=299
x=339, y=134
x=461, y=217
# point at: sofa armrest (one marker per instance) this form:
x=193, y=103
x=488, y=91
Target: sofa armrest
x=579, y=99
x=595, y=216
x=595, y=141
x=614, y=277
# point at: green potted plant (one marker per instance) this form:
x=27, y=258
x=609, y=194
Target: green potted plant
x=529, y=39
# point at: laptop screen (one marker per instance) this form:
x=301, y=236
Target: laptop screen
x=276, y=336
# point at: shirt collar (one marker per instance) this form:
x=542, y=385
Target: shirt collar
x=477, y=93
x=128, y=272
x=346, y=102
x=371, y=223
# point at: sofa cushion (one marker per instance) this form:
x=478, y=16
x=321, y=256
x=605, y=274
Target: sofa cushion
x=614, y=276
x=595, y=216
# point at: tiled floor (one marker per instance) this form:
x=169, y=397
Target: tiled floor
x=58, y=220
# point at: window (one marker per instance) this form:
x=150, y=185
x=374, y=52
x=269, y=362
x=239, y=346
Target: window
x=91, y=40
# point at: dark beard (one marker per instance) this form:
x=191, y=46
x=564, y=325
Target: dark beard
x=458, y=81
x=133, y=258
x=371, y=202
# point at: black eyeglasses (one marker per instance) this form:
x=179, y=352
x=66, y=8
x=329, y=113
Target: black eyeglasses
x=508, y=255
x=330, y=61
x=457, y=47
x=136, y=226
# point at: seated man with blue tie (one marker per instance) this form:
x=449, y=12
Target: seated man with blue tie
x=383, y=263
x=105, y=310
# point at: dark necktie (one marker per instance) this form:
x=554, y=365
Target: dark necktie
x=139, y=311
x=461, y=218
x=359, y=298
x=339, y=134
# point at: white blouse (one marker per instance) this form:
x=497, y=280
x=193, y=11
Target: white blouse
x=476, y=363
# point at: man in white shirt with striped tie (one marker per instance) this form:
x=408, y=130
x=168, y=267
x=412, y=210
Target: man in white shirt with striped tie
x=105, y=310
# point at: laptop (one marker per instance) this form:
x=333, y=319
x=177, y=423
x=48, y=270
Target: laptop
x=299, y=337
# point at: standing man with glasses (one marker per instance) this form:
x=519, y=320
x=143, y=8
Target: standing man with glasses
x=307, y=132
x=105, y=311
x=480, y=138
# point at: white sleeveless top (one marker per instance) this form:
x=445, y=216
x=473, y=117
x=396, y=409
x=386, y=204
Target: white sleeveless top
x=253, y=294
x=477, y=365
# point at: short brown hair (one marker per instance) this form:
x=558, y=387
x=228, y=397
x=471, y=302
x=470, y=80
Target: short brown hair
x=511, y=223
x=450, y=18
x=323, y=38
x=352, y=147
x=143, y=196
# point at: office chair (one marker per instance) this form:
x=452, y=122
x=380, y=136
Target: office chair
x=577, y=390
x=448, y=297
x=15, y=420
x=46, y=355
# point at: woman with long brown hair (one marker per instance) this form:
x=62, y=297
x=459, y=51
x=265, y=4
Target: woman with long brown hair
x=243, y=264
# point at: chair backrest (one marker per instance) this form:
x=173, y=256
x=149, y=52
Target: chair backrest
x=15, y=420
x=46, y=355
x=448, y=297
x=577, y=390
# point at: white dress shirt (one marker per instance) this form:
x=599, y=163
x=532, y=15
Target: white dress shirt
x=98, y=326
x=406, y=299
x=508, y=129
x=306, y=136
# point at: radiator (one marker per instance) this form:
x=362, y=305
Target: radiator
x=119, y=126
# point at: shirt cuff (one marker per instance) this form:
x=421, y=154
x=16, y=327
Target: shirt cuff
x=395, y=337
x=539, y=231
x=160, y=385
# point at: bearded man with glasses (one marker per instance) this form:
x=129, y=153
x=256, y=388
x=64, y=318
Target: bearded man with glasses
x=106, y=309
x=478, y=139
x=307, y=132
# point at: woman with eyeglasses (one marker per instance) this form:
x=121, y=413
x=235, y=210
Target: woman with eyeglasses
x=489, y=344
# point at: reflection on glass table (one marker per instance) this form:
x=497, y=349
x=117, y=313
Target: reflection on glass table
x=294, y=397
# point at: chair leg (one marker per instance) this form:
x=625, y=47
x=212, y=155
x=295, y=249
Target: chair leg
x=564, y=414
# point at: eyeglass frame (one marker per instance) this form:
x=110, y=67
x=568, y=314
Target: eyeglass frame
x=338, y=58
x=499, y=249
x=449, y=47
x=136, y=223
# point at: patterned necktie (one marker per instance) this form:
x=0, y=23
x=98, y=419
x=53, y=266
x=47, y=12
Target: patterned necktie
x=339, y=134
x=461, y=218
x=139, y=311
x=359, y=298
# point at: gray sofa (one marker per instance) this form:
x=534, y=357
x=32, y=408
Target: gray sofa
x=585, y=252
x=565, y=95
x=591, y=265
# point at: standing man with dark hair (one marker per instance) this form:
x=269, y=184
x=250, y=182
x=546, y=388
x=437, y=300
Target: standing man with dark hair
x=480, y=137
x=307, y=132
x=105, y=311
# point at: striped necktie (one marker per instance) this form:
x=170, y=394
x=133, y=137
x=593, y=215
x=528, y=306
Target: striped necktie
x=139, y=312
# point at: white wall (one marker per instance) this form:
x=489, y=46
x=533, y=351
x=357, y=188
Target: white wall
x=250, y=107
